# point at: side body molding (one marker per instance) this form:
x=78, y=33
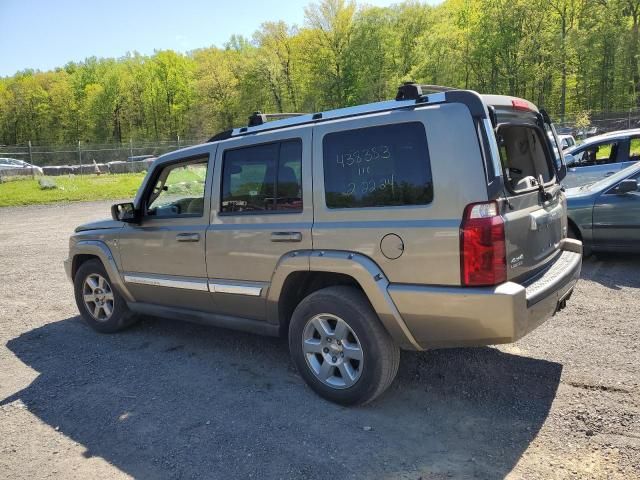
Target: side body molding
x=364, y=270
x=102, y=251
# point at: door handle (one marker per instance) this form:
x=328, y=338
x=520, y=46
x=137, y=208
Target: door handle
x=188, y=237
x=286, y=236
x=608, y=174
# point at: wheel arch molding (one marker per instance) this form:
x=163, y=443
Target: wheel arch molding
x=99, y=250
x=297, y=269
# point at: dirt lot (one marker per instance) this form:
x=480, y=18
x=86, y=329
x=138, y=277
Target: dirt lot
x=172, y=400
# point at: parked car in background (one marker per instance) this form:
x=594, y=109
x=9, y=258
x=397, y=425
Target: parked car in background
x=600, y=156
x=566, y=141
x=605, y=215
x=14, y=163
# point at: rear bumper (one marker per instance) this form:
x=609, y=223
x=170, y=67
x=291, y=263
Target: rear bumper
x=455, y=316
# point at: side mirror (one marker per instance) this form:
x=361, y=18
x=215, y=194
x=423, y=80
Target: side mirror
x=124, y=212
x=626, y=186
x=569, y=159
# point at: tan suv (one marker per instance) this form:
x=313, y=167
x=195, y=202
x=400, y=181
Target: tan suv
x=433, y=220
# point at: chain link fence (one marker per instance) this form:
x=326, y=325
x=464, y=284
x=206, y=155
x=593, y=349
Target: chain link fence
x=82, y=158
x=600, y=123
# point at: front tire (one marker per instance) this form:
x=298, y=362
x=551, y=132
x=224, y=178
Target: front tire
x=100, y=305
x=340, y=347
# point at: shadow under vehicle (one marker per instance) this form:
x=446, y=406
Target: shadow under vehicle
x=179, y=400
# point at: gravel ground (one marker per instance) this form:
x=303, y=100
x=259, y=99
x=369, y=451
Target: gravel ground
x=172, y=400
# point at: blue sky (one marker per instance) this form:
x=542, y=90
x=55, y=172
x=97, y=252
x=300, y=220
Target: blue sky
x=49, y=33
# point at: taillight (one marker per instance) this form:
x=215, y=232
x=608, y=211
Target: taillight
x=482, y=246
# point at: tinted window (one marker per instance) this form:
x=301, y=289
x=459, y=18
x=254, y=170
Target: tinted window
x=599, y=154
x=377, y=166
x=263, y=178
x=179, y=190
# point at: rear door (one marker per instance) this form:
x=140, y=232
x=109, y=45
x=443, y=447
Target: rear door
x=535, y=213
x=261, y=210
x=632, y=153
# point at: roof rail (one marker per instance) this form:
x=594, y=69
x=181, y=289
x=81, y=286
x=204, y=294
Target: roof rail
x=409, y=96
x=258, y=118
x=413, y=91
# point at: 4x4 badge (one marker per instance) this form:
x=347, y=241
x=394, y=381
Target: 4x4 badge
x=517, y=261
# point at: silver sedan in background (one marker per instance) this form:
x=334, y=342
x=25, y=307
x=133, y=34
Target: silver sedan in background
x=14, y=164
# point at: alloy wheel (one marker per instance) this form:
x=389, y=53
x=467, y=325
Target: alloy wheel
x=332, y=350
x=98, y=297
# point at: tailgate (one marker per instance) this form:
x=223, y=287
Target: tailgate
x=535, y=215
x=533, y=232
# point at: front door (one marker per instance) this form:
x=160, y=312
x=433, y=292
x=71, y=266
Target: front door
x=164, y=256
x=616, y=220
x=596, y=161
x=262, y=209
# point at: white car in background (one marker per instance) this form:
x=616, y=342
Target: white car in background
x=601, y=156
x=566, y=141
x=14, y=163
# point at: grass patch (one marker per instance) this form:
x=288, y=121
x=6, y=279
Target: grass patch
x=70, y=189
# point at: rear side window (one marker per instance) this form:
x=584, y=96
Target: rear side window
x=379, y=166
x=634, y=149
x=263, y=178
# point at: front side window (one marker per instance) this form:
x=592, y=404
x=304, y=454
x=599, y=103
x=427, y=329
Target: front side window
x=179, y=190
x=599, y=154
x=263, y=178
x=381, y=166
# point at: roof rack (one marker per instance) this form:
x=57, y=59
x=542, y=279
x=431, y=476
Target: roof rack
x=409, y=95
x=413, y=91
x=258, y=118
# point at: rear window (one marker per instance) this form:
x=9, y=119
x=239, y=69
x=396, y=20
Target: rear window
x=524, y=156
x=379, y=166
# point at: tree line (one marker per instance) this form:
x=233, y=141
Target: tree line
x=570, y=56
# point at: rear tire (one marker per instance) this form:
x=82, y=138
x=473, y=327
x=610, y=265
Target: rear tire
x=100, y=305
x=340, y=347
